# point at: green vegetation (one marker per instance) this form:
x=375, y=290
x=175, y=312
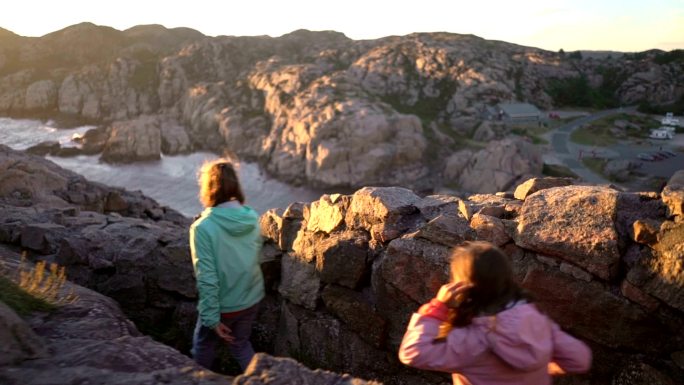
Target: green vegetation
x=669, y=57
x=517, y=76
x=39, y=288
x=145, y=75
x=575, y=55
x=20, y=300
x=599, y=133
x=578, y=93
x=558, y=171
x=426, y=108
x=677, y=107
x=593, y=136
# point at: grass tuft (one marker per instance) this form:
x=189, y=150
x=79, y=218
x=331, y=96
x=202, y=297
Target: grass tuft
x=36, y=288
x=20, y=300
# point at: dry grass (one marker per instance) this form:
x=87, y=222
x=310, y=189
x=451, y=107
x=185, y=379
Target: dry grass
x=40, y=287
x=44, y=282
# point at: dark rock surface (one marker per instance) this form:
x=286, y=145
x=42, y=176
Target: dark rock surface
x=342, y=291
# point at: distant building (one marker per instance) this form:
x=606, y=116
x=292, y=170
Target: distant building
x=513, y=112
x=669, y=120
x=661, y=133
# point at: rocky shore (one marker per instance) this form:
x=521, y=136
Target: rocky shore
x=313, y=108
x=345, y=272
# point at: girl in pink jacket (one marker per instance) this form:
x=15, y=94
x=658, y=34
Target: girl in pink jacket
x=482, y=328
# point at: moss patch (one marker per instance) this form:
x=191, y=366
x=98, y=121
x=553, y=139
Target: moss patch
x=21, y=301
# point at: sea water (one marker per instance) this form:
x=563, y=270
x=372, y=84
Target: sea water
x=171, y=181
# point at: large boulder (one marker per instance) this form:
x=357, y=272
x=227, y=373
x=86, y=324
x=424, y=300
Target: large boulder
x=299, y=281
x=533, y=185
x=673, y=195
x=575, y=223
x=407, y=258
x=343, y=258
x=41, y=95
x=385, y=212
x=447, y=230
x=500, y=166
x=29, y=180
x=327, y=213
x=660, y=273
x=455, y=164
x=490, y=229
x=174, y=138
x=591, y=311
x=133, y=140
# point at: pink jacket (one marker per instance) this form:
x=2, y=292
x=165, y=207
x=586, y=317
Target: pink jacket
x=513, y=347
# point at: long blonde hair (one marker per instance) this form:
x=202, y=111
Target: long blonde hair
x=218, y=183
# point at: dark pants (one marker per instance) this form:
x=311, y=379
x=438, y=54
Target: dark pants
x=205, y=340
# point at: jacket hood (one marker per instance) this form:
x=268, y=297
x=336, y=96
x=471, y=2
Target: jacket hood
x=233, y=220
x=521, y=336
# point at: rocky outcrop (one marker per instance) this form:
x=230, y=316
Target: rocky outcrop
x=18, y=342
x=265, y=369
x=41, y=95
x=616, y=288
x=673, y=195
x=533, y=185
x=131, y=141
x=576, y=223
x=87, y=338
x=500, y=166
x=345, y=273
x=27, y=180
x=122, y=244
x=312, y=107
x=455, y=164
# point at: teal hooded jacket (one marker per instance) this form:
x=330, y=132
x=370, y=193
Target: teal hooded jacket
x=225, y=244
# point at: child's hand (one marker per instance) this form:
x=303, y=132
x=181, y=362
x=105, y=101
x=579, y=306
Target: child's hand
x=223, y=332
x=450, y=293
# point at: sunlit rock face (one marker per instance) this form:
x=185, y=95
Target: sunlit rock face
x=312, y=107
x=606, y=265
x=501, y=165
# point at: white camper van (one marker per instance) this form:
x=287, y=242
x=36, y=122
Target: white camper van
x=661, y=134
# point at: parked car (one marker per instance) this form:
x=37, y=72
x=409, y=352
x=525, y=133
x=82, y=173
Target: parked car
x=658, y=156
x=669, y=153
x=646, y=157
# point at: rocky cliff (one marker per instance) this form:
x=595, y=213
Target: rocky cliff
x=313, y=107
x=88, y=339
x=345, y=272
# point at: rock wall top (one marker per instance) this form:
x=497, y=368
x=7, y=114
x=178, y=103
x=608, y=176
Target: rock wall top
x=605, y=264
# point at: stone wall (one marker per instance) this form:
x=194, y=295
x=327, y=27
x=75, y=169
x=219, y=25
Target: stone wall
x=605, y=264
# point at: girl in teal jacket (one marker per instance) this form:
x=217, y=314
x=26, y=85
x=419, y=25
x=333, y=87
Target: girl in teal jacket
x=225, y=244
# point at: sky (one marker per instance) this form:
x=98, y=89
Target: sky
x=627, y=25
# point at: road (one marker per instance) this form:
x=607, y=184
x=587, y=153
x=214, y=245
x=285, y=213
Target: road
x=561, y=136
